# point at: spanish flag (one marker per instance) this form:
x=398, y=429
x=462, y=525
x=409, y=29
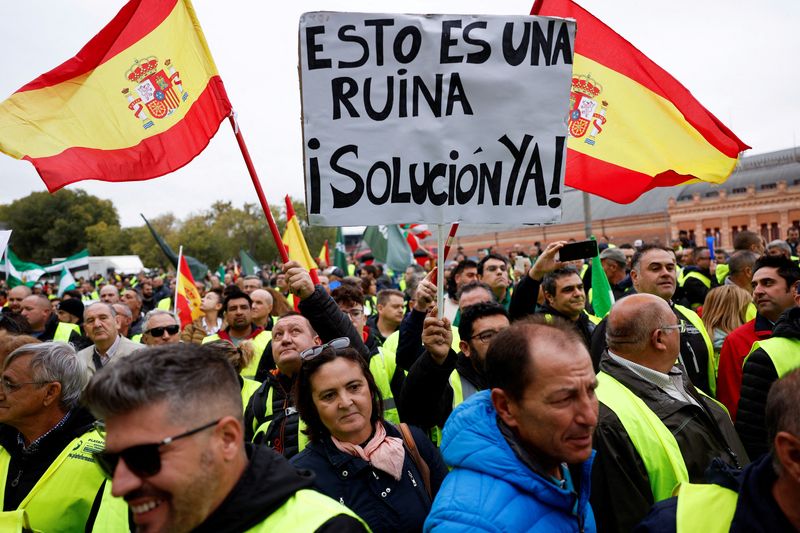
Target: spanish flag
x=188, y=299
x=634, y=127
x=324, y=254
x=140, y=100
x=294, y=241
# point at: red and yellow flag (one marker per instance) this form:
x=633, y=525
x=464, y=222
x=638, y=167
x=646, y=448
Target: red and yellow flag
x=632, y=125
x=294, y=241
x=324, y=254
x=140, y=100
x=188, y=297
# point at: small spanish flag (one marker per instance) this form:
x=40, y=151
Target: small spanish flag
x=634, y=127
x=188, y=300
x=140, y=100
x=294, y=241
x=324, y=254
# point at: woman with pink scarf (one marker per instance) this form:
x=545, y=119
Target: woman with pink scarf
x=358, y=458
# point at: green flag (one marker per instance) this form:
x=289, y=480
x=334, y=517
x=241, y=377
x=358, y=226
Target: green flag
x=602, y=297
x=249, y=265
x=66, y=283
x=340, y=252
x=389, y=246
x=199, y=269
x=19, y=272
x=221, y=273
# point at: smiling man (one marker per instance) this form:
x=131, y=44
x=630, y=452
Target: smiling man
x=175, y=451
x=521, y=451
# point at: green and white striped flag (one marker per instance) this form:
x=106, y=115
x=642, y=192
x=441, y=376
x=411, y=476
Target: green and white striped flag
x=66, y=283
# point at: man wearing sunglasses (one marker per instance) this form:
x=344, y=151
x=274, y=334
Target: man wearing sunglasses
x=46, y=439
x=175, y=450
x=160, y=327
x=655, y=428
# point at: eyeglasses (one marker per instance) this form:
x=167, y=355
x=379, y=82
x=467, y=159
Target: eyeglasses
x=159, y=331
x=11, y=387
x=680, y=326
x=486, y=336
x=336, y=344
x=354, y=312
x=144, y=460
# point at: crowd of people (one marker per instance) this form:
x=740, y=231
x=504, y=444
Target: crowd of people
x=351, y=404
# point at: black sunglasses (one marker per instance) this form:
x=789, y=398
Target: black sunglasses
x=335, y=344
x=144, y=460
x=159, y=331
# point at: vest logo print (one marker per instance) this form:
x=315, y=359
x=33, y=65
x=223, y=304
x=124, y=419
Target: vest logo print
x=586, y=110
x=156, y=93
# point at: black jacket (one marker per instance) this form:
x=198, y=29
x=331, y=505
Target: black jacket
x=27, y=466
x=409, y=343
x=267, y=483
x=756, y=509
x=383, y=502
x=427, y=397
x=694, y=291
x=621, y=494
x=758, y=375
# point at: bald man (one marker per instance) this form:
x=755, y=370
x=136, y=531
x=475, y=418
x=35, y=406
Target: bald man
x=15, y=297
x=109, y=294
x=44, y=323
x=261, y=309
x=655, y=430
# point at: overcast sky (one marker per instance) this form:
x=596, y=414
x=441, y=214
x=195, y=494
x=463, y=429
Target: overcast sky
x=739, y=58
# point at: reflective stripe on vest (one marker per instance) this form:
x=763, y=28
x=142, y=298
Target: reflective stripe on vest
x=784, y=353
x=304, y=512
x=697, y=322
x=64, y=330
x=706, y=508
x=62, y=498
x=593, y=319
x=654, y=443
x=702, y=278
x=263, y=429
x=390, y=344
x=112, y=515
x=382, y=366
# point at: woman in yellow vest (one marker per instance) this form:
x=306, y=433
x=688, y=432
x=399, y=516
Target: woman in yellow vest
x=358, y=458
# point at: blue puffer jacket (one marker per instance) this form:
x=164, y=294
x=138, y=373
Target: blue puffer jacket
x=490, y=489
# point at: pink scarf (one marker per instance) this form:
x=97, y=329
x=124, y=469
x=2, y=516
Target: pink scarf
x=382, y=452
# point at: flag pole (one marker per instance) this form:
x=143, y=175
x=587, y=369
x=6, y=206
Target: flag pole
x=450, y=238
x=440, y=273
x=177, y=282
x=273, y=228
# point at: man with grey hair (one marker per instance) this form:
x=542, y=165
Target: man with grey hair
x=252, y=283
x=124, y=317
x=655, y=430
x=778, y=248
x=161, y=327
x=46, y=438
x=99, y=321
x=109, y=294
x=762, y=498
x=740, y=269
x=175, y=450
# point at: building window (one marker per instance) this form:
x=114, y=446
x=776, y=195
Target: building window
x=774, y=232
x=768, y=186
x=711, y=194
x=739, y=190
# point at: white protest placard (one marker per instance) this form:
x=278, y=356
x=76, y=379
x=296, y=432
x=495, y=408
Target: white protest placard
x=434, y=118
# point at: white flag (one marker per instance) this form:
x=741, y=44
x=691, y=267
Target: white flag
x=66, y=283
